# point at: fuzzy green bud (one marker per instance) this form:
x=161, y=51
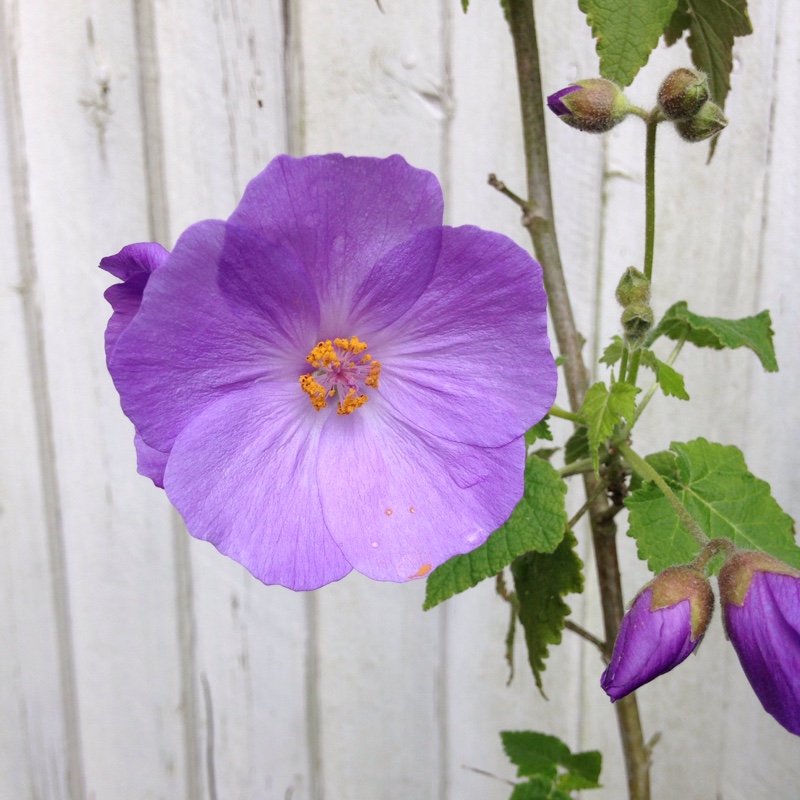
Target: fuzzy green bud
x=683, y=93
x=636, y=322
x=633, y=288
x=708, y=122
x=594, y=105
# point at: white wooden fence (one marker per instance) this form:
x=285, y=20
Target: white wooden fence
x=135, y=662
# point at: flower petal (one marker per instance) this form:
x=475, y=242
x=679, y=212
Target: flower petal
x=471, y=360
x=399, y=502
x=340, y=216
x=765, y=632
x=226, y=309
x=649, y=644
x=142, y=258
x=242, y=476
x=392, y=286
x=133, y=264
x=150, y=462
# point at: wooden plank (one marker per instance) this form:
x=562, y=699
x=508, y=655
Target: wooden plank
x=37, y=692
x=223, y=112
x=87, y=198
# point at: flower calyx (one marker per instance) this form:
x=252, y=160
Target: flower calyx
x=593, y=105
x=683, y=93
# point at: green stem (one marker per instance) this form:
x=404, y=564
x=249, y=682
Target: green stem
x=648, y=473
x=650, y=193
x=652, y=390
x=562, y=413
x=650, y=218
x=539, y=221
x=577, y=468
x=623, y=364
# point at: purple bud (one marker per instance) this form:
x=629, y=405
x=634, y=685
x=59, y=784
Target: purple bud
x=594, y=105
x=663, y=626
x=761, y=608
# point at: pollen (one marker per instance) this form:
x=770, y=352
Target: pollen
x=341, y=371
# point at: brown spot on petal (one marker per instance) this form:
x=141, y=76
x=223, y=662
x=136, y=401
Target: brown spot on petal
x=421, y=572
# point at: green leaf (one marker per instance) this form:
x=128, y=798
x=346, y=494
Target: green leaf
x=550, y=764
x=726, y=500
x=603, y=410
x=754, y=333
x=534, y=753
x=678, y=24
x=535, y=789
x=626, y=33
x=670, y=381
x=577, y=446
x=464, y=5
x=537, y=523
x=663, y=462
x=540, y=581
x=541, y=430
x=712, y=28
x=613, y=352
x=583, y=770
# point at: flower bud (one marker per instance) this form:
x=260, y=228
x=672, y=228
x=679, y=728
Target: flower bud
x=663, y=626
x=760, y=598
x=633, y=288
x=708, y=122
x=594, y=105
x=636, y=323
x=683, y=93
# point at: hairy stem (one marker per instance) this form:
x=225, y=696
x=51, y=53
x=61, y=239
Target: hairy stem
x=539, y=222
x=648, y=473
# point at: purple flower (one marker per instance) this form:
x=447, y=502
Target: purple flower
x=663, y=626
x=761, y=608
x=331, y=379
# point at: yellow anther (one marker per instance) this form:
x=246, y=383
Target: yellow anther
x=314, y=391
x=374, y=374
x=351, y=401
x=337, y=375
x=323, y=355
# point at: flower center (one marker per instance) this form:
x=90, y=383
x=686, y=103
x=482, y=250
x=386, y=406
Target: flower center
x=341, y=370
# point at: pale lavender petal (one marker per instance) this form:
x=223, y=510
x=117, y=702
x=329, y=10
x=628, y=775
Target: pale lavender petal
x=399, y=502
x=242, y=476
x=340, y=216
x=765, y=632
x=471, y=360
x=649, y=643
x=226, y=310
x=150, y=462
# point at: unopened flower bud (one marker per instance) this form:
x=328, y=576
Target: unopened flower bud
x=683, y=93
x=708, y=122
x=636, y=323
x=663, y=626
x=633, y=288
x=594, y=105
x=760, y=598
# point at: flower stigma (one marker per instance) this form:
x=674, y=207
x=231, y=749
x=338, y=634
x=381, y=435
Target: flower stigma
x=342, y=370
